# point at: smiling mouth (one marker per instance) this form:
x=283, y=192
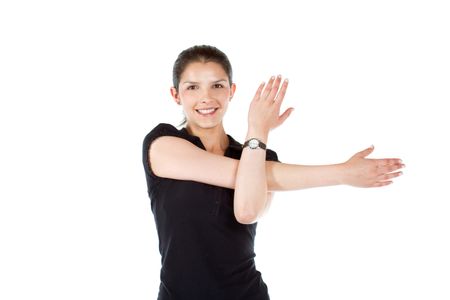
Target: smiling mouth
x=206, y=112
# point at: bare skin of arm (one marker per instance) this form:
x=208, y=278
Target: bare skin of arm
x=255, y=178
x=251, y=197
x=176, y=158
x=252, y=178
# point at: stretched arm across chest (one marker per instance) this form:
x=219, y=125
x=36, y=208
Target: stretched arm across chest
x=176, y=158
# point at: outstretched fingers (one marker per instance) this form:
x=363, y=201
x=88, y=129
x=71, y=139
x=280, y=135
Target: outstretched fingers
x=282, y=92
x=388, y=169
x=275, y=88
x=381, y=183
x=259, y=91
x=268, y=88
x=265, y=108
x=389, y=161
x=388, y=165
x=388, y=176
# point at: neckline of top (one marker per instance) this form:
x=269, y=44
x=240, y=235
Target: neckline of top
x=232, y=143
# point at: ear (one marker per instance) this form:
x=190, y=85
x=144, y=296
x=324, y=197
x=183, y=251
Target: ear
x=232, y=90
x=175, y=95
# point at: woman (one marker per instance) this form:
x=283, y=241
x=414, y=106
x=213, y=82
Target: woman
x=207, y=190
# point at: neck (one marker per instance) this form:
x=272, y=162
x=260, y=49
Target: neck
x=214, y=139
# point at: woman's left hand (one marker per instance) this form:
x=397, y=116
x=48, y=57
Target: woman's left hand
x=364, y=172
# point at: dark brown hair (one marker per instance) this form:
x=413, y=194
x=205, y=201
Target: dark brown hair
x=199, y=53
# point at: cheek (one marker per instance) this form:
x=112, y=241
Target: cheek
x=221, y=93
x=188, y=98
x=189, y=94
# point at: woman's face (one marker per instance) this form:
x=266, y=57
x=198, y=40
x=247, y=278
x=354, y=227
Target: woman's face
x=204, y=92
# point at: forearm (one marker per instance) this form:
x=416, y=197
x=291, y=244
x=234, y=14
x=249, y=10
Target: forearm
x=285, y=177
x=255, y=177
x=250, y=194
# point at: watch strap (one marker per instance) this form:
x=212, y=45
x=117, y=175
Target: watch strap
x=260, y=144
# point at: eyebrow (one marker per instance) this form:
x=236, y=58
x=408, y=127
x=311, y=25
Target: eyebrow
x=194, y=82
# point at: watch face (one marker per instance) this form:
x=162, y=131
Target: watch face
x=253, y=143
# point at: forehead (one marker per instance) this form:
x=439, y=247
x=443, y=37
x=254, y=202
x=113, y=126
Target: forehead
x=200, y=71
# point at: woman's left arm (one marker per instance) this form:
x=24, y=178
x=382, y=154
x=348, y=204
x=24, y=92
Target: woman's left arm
x=251, y=194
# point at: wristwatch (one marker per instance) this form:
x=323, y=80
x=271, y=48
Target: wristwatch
x=254, y=143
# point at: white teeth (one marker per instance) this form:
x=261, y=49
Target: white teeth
x=206, y=111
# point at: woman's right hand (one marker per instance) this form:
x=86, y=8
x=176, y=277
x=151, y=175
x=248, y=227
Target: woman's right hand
x=264, y=112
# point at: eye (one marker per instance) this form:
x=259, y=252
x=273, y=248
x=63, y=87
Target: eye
x=218, y=85
x=192, y=87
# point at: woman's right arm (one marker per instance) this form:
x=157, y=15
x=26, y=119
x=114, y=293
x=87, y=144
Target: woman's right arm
x=176, y=158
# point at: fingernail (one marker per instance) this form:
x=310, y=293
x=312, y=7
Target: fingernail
x=279, y=76
x=273, y=77
x=286, y=80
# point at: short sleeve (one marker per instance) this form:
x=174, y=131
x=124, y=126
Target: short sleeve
x=271, y=155
x=161, y=129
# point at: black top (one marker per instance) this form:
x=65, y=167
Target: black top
x=206, y=253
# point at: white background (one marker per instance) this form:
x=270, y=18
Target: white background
x=82, y=82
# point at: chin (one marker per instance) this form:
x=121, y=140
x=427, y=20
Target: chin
x=206, y=125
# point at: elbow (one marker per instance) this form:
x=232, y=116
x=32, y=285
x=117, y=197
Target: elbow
x=246, y=218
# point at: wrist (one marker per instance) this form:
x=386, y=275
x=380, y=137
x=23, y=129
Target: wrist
x=342, y=173
x=257, y=133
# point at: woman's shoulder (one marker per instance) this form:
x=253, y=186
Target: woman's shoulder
x=162, y=129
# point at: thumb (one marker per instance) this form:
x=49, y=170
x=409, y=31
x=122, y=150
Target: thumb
x=366, y=152
x=285, y=115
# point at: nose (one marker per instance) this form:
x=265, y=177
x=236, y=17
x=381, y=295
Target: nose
x=205, y=97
